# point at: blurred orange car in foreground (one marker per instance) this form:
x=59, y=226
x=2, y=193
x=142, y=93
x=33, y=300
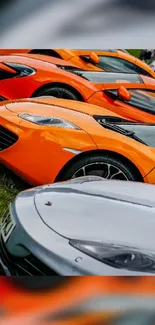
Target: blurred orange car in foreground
x=129, y=95
x=81, y=301
x=44, y=140
x=92, y=59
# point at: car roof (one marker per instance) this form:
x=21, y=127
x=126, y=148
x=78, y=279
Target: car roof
x=78, y=51
x=31, y=58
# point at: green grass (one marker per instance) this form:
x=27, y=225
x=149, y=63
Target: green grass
x=10, y=186
x=134, y=52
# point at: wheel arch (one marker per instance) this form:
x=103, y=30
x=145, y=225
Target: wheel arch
x=58, y=84
x=110, y=154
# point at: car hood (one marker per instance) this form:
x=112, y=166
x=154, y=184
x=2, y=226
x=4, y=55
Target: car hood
x=107, y=211
x=48, y=103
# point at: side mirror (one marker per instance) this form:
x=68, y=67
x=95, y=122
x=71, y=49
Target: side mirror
x=124, y=93
x=94, y=58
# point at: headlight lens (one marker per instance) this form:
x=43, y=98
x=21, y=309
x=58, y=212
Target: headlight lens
x=48, y=121
x=116, y=256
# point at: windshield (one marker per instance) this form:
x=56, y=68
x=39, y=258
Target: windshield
x=145, y=132
x=114, y=64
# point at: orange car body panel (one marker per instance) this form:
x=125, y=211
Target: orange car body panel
x=13, y=51
x=42, y=151
x=73, y=55
x=30, y=307
x=122, y=108
x=48, y=73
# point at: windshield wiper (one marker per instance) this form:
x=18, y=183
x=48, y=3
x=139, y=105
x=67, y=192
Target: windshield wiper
x=116, y=128
x=79, y=74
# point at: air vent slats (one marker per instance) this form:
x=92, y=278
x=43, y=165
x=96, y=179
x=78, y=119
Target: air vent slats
x=7, y=138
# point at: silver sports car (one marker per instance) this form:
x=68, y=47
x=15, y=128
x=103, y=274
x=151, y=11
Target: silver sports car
x=86, y=226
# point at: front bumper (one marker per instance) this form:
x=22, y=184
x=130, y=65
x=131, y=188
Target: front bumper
x=31, y=266
x=42, y=252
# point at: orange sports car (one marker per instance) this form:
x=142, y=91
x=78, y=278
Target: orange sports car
x=44, y=140
x=103, y=60
x=99, y=60
x=90, y=301
x=30, y=75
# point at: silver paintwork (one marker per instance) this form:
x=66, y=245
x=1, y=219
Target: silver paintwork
x=74, y=151
x=91, y=209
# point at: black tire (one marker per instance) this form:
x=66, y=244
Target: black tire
x=102, y=161
x=59, y=92
x=46, y=283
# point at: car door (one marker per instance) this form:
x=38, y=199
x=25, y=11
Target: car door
x=141, y=106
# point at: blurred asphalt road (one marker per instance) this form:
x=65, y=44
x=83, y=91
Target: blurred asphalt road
x=77, y=24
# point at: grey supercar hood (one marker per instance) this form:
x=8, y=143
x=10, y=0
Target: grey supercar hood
x=86, y=226
x=107, y=211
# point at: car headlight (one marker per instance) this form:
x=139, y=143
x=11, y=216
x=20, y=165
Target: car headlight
x=116, y=256
x=49, y=121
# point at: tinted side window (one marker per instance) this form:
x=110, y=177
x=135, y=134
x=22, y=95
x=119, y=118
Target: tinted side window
x=5, y=74
x=119, y=65
x=142, y=99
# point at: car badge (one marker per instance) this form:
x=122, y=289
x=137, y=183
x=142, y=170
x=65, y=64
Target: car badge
x=49, y=204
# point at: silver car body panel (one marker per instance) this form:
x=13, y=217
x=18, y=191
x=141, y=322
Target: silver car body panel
x=89, y=208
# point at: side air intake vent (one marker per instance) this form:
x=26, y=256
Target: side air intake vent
x=7, y=138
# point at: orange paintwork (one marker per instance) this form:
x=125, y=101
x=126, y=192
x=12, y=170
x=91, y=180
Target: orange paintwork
x=48, y=74
x=74, y=56
x=123, y=108
x=29, y=308
x=13, y=51
x=42, y=151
